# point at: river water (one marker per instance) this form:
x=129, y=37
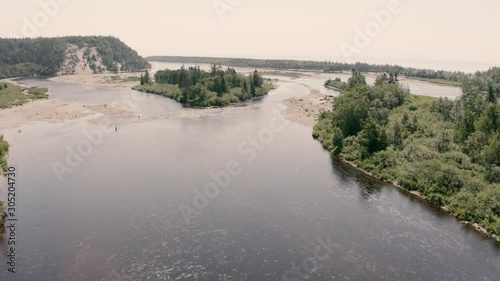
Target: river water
x=221, y=194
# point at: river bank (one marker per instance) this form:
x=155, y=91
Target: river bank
x=384, y=163
x=125, y=79
x=54, y=111
x=419, y=196
x=305, y=110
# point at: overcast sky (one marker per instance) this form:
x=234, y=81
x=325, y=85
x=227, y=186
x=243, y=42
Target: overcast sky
x=444, y=30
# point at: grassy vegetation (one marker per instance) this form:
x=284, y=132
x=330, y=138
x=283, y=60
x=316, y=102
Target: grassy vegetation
x=442, y=82
x=13, y=95
x=336, y=84
x=166, y=90
x=117, y=79
x=447, y=151
x=294, y=75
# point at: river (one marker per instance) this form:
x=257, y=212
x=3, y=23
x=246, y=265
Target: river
x=274, y=205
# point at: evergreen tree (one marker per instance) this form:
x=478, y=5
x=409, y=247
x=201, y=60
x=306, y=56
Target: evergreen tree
x=252, y=86
x=490, y=120
x=391, y=78
x=245, y=88
x=491, y=94
x=146, y=78
x=398, y=138
x=223, y=85
x=466, y=127
x=142, y=79
x=257, y=79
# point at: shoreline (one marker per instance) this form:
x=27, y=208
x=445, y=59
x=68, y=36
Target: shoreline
x=295, y=116
x=122, y=79
x=53, y=111
x=305, y=110
x=419, y=196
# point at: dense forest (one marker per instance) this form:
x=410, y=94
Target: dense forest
x=46, y=56
x=446, y=150
x=482, y=79
x=198, y=88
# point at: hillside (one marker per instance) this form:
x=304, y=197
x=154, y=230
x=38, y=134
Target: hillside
x=66, y=55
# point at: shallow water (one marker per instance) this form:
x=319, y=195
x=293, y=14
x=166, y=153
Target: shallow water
x=117, y=215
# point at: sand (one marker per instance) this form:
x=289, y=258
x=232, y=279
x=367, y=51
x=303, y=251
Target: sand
x=306, y=110
x=99, y=79
x=54, y=111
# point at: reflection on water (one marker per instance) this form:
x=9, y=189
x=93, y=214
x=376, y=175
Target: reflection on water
x=116, y=216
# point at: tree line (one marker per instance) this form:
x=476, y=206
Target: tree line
x=483, y=78
x=447, y=150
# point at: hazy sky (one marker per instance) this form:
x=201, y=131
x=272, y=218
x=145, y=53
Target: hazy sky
x=445, y=30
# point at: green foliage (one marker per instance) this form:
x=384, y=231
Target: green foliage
x=492, y=151
x=357, y=79
x=491, y=94
x=336, y=84
x=198, y=88
x=38, y=93
x=146, y=78
x=166, y=90
x=489, y=122
x=45, y=56
x=373, y=136
x=448, y=151
x=4, y=150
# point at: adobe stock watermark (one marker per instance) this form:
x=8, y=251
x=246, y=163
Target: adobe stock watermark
x=221, y=179
x=76, y=154
x=363, y=37
x=309, y=265
x=223, y=6
x=31, y=26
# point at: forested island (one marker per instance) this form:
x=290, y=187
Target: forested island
x=446, y=151
x=66, y=55
x=453, y=78
x=198, y=88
